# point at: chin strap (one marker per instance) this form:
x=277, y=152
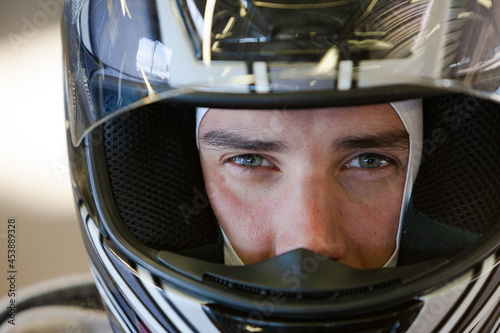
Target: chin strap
x=200, y=113
x=410, y=113
x=230, y=256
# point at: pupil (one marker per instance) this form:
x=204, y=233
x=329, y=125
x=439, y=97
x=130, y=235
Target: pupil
x=250, y=160
x=370, y=161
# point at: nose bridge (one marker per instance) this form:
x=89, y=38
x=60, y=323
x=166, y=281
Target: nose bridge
x=312, y=196
x=313, y=217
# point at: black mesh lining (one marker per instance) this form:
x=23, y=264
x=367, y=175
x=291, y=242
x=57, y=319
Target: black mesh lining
x=156, y=178
x=459, y=179
x=456, y=197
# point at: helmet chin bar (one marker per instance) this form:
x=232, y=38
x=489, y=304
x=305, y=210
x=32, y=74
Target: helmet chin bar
x=299, y=274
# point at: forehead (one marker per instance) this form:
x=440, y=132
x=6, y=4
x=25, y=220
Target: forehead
x=367, y=118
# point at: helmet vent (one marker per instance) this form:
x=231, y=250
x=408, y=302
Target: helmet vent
x=333, y=294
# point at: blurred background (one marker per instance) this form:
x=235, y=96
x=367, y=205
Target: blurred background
x=35, y=186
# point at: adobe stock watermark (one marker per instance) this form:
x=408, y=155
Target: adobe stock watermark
x=199, y=203
x=32, y=25
x=11, y=271
x=292, y=278
x=452, y=122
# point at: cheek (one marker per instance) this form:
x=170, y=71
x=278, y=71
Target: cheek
x=373, y=210
x=229, y=198
x=373, y=186
x=244, y=216
x=376, y=222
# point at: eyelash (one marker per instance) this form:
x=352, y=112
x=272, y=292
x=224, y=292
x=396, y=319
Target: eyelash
x=242, y=157
x=384, y=159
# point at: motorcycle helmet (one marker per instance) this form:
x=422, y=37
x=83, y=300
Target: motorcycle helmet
x=139, y=74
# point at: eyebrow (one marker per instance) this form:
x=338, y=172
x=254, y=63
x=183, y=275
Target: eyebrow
x=229, y=140
x=395, y=139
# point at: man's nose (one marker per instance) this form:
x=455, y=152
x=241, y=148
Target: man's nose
x=311, y=218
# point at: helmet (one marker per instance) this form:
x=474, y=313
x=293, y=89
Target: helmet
x=138, y=73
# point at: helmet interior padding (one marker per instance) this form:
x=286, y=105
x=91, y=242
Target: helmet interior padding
x=456, y=197
x=157, y=183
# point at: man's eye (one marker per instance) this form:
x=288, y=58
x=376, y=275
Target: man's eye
x=368, y=161
x=250, y=160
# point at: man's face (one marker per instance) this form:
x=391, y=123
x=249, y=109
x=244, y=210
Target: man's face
x=327, y=180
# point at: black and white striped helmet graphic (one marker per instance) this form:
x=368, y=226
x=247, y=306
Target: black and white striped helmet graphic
x=137, y=75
